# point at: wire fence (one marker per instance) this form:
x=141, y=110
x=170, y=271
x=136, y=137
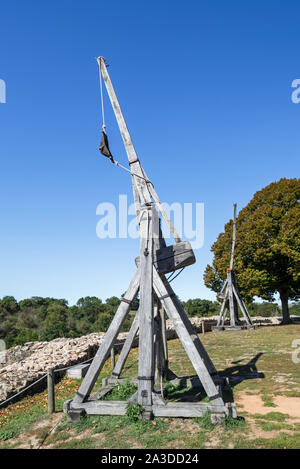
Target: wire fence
x=56, y=370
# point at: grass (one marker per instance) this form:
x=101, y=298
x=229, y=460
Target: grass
x=277, y=416
x=121, y=391
x=204, y=422
x=256, y=362
x=282, y=441
x=270, y=426
x=268, y=401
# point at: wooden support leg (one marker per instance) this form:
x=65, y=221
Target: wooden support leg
x=225, y=313
x=162, y=362
x=187, y=339
x=126, y=347
x=190, y=328
x=159, y=352
x=146, y=348
x=164, y=342
x=242, y=305
x=231, y=301
x=223, y=310
x=109, y=338
x=236, y=310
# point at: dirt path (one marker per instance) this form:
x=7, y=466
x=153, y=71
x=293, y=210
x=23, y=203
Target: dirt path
x=38, y=434
x=253, y=404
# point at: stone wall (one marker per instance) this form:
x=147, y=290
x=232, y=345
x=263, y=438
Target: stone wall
x=25, y=364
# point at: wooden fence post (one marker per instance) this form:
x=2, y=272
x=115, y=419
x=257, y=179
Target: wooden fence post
x=203, y=326
x=51, y=395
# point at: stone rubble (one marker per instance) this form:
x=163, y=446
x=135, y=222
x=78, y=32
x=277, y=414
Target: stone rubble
x=25, y=364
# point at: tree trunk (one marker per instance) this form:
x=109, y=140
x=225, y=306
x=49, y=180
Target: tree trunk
x=284, y=296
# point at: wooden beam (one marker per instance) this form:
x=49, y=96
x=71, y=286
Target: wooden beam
x=231, y=300
x=189, y=327
x=101, y=407
x=146, y=349
x=164, y=342
x=233, y=237
x=126, y=347
x=222, y=315
x=162, y=211
x=130, y=150
x=109, y=338
x=242, y=305
x=187, y=409
x=159, y=351
x=170, y=409
x=187, y=339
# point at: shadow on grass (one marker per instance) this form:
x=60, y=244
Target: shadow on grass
x=238, y=373
x=190, y=389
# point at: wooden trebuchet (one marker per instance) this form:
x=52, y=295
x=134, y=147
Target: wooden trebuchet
x=232, y=299
x=157, y=300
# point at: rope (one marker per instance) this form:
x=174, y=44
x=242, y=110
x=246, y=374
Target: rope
x=23, y=390
x=132, y=174
x=101, y=94
x=175, y=275
x=104, y=127
x=44, y=376
x=171, y=275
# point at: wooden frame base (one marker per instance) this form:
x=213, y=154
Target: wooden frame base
x=169, y=409
x=233, y=328
x=159, y=408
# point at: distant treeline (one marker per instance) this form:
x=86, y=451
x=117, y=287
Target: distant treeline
x=45, y=319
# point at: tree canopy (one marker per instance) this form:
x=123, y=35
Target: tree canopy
x=200, y=308
x=267, y=254
x=39, y=318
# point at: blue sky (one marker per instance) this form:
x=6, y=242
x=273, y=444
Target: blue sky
x=205, y=87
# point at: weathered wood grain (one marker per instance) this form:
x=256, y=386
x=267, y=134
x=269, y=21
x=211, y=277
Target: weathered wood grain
x=172, y=258
x=231, y=300
x=189, y=327
x=241, y=305
x=187, y=339
x=187, y=409
x=126, y=347
x=109, y=338
x=146, y=349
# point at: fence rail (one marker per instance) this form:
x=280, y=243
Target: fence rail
x=50, y=375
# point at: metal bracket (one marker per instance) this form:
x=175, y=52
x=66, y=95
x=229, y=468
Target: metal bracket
x=126, y=301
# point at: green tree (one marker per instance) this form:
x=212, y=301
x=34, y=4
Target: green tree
x=42, y=305
x=295, y=309
x=9, y=305
x=113, y=301
x=103, y=322
x=89, y=307
x=111, y=304
x=198, y=307
x=267, y=255
x=55, y=324
x=26, y=335
x=264, y=309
